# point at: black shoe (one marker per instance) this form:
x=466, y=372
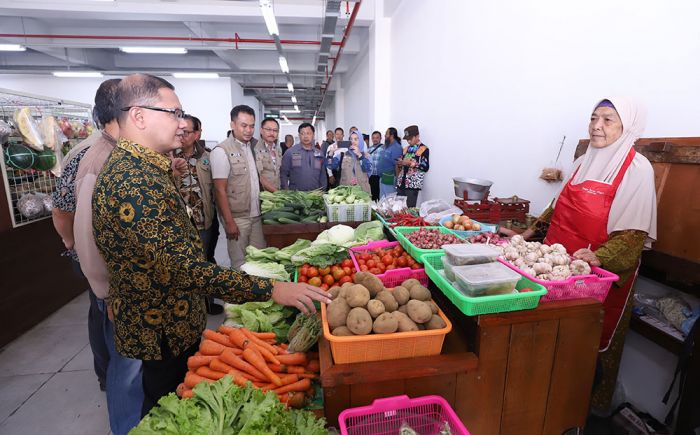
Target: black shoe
x=213, y=308
x=103, y=387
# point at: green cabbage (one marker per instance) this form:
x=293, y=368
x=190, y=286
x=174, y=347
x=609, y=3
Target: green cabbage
x=369, y=231
x=266, y=270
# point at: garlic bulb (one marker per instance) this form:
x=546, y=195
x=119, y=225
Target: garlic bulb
x=540, y=268
x=580, y=267
x=510, y=253
x=520, y=263
x=531, y=258
x=528, y=271
x=543, y=277
x=560, y=273
x=560, y=259
x=517, y=240
x=545, y=249
x=558, y=248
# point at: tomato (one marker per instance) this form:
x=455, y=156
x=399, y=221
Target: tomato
x=361, y=262
x=352, y=277
x=328, y=280
x=525, y=290
x=375, y=271
x=410, y=261
x=365, y=256
x=312, y=272
x=401, y=262
x=334, y=268
x=347, y=270
x=371, y=263
x=304, y=271
x=387, y=260
x=390, y=267
x=415, y=266
x=344, y=279
x=315, y=281
x=353, y=270
x=347, y=263
x=338, y=273
x=325, y=271
x=303, y=278
x=324, y=286
x=364, y=268
x=381, y=266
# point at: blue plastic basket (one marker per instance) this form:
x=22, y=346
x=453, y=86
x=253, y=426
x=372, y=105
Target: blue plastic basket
x=485, y=228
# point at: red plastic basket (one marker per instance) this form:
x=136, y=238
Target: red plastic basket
x=426, y=415
x=596, y=285
x=394, y=277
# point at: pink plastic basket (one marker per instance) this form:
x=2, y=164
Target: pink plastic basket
x=394, y=277
x=426, y=415
x=596, y=285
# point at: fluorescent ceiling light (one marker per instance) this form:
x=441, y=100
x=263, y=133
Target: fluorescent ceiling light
x=296, y=110
x=290, y=86
x=77, y=74
x=269, y=17
x=195, y=75
x=12, y=47
x=283, y=65
x=154, y=50
x=294, y=99
x=313, y=121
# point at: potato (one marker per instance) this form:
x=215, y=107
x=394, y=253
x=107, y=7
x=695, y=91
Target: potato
x=420, y=293
x=359, y=321
x=337, y=313
x=419, y=311
x=433, y=306
x=334, y=291
x=421, y=327
x=405, y=322
x=409, y=283
x=388, y=300
x=435, y=322
x=342, y=331
x=386, y=323
x=401, y=294
x=357, y=295
x=371, y=282
x=403, y=309
x=375, y=308
x=449, y=224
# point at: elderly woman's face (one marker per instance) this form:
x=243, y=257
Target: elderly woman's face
x=605, y=127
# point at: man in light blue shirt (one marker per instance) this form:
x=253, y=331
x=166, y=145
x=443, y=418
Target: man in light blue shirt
x=391, y=152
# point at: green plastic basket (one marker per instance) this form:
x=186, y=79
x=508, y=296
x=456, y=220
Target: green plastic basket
x=415, y=252
x=473, y=306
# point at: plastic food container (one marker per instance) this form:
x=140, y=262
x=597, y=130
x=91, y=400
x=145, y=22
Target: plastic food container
x=449, y=273
x=465, y=254
x=486, y=279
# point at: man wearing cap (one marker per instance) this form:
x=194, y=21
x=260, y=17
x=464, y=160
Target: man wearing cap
x=411, y=168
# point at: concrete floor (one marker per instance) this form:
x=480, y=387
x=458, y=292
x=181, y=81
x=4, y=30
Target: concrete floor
x=47, y=381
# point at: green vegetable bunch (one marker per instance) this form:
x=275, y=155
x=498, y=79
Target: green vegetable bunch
x=348, y=195
x=292, y=207
x=304, y=332
x=260, y=317
x=223, y=408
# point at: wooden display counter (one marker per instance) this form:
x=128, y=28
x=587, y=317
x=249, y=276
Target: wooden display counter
x=526, y=372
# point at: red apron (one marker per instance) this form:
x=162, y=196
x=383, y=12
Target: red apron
x=580, y=219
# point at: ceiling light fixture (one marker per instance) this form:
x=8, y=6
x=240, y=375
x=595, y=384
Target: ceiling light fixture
x=296, y=110
x=313, y=121
x=290, y=86
x=195, y=75
x=283, y=65
x=154, y=50
x=81, y=74
x=12, y=47
x=294, y=99
x=269, y=16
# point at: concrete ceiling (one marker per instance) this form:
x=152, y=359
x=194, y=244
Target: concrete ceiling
x=226, y=37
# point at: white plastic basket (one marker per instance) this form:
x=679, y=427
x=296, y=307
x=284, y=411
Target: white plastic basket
x=348, y=212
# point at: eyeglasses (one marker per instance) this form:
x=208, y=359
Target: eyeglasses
x=271, y=130
x=188, y=132
x=179, y=114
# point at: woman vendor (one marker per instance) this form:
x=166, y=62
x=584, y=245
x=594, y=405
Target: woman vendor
x=355, y=164
x=606, y=215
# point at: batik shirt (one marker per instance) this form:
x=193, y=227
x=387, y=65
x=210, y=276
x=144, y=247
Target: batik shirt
x=154, y=256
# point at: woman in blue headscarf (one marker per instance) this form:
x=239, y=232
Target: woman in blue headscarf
x=355, y=164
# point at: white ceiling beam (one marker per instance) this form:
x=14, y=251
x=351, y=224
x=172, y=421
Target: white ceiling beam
x=198, y=29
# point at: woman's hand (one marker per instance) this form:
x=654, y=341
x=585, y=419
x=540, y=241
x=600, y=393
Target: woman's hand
x=588, y=256
x=301, y=296
x=506, y=232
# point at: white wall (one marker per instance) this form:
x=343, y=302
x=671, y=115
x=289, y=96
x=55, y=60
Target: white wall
x=496, y=87
x=208, y=99
x=356, y=95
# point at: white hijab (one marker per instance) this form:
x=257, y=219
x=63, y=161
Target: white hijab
x=634, y=205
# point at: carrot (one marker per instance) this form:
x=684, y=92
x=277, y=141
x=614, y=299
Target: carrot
x=284, y=345
x=187, y=394
x=283, y=368
x=289, y=378
x=307, y=375
x=284, y=398
x=180, y=389
x=296, y=400
x=209, y=347
x=219, y=338
x=235, y=361
x=192, y=379
x=301, y=385
x=270, y=341
x=225, y=329
x=254, y=357
x=241, y=378
x=265, y=353
x=265, y=335
x=196, y=361
x=293, y=359
x=238, y=338
x=219, y=366
x=208, y=373
x=314, y=366
x=259, y=342
x=236, y=350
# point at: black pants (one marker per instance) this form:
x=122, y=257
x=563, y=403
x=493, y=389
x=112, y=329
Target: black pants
x=410, y=194
x=374, y=186
x=161, y=377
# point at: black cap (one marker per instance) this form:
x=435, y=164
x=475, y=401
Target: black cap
x=410, y=131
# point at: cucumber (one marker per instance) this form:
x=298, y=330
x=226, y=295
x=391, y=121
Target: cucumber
x=270, y=222
x=284, y=220
x=310, y=220
x=280, y=214
x=286, y=208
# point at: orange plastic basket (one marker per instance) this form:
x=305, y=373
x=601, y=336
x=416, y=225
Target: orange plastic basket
x=381, y=347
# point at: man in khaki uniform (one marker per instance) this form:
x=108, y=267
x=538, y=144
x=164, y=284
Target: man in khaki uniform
x=237, y=186
x=268, y=155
